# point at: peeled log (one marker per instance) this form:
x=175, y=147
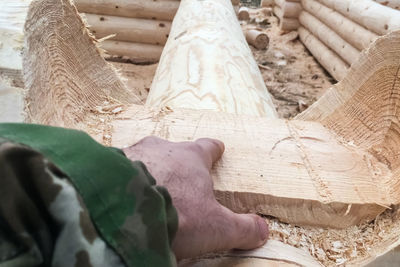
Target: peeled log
x=390, y=3
x=350, y=31
x=157, y=10
x=289, y=9
x=346, y=51
x=213, y=65
x=137, y=52
x=129, y=29
x=257, y=39
x=243, y=13
x=373, y=16
x=266, y=3
x=326, y=57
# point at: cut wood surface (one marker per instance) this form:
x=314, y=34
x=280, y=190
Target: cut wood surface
x=289, y=9
x=243, y=13
x=156, y=10
x=350, y=31
x=273, y=253
x=286, y=24
x=373, y=16
x=300, y=174
x=332, y=40
x=129, y=29
x=61, y=89
x=367, y=99
x=325, y=56
x=390, y=3
x=213, y=64
x=138, y=53
x=257, y=38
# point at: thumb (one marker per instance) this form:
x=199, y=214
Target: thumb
x=212, y=148
x=248, y=231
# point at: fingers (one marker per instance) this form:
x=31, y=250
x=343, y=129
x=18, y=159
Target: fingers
x=249, y=231
x=212, y=148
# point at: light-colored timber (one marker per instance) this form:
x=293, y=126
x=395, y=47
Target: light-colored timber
x=243, y=13
x=289, y=9
x=137, y=52
x=330, y=38
x=145, y=9
x=390, y=3
x=376, y=73
x=129, y=29
x=213, y=64
x=350, y=31
x=286, y=24
x=258, y=39
x=272, y=254
x=373, y=16
x=325, y=56
x=267, y=3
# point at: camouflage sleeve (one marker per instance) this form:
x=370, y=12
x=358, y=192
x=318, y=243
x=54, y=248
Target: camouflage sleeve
x=66, y=200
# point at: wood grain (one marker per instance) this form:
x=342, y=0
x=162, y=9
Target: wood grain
x=145, y=9
x=129, y=29
x=213, y=67
x=371, y=15
x=325, y=56
x=137, y=52
x=350, y=31
x=296, y=171
x=329, y=37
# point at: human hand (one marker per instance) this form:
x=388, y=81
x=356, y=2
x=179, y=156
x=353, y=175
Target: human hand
x=204, y=225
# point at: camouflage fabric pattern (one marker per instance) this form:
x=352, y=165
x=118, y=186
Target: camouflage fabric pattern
x=65, y=200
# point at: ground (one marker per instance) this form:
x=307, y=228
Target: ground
x=293, y=77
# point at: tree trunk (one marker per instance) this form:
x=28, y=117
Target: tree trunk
x=350, y=31
x=156, y=10
x=373, y=16
x=289, y=9
x=326, y=57
x=257, y=39
x=129, y=29
x=138, y=53
x=243, y=13
x=213, y=67
x=346, y=51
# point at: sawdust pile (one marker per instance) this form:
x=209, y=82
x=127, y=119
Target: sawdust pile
x=334, y=247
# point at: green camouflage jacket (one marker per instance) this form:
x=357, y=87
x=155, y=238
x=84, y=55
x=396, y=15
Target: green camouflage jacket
x=66, y=200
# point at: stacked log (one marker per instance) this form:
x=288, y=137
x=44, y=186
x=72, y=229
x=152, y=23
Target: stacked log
x=136, y=29
x=342, y=29
x=395, y=4
x=288, y=11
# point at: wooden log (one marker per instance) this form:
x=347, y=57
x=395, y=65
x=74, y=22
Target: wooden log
x=364, y=123
x=289, y=9
x=139, y=53
x=272, y=254
x=373, y=16
x=257, y=39
x=390, y=3
x=332, y=40
x=326, y=57
x=267, y=3
x=213, y=65
x=350, y=31
x=129, y=29
x=244, y=13
x=235, y=2
x=289, y=24
x=286, y=24
x=62, y=90
x=156, y=10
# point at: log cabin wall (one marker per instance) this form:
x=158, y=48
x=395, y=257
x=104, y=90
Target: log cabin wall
x=288, y=12
x=134, y=29
x=336, y=31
